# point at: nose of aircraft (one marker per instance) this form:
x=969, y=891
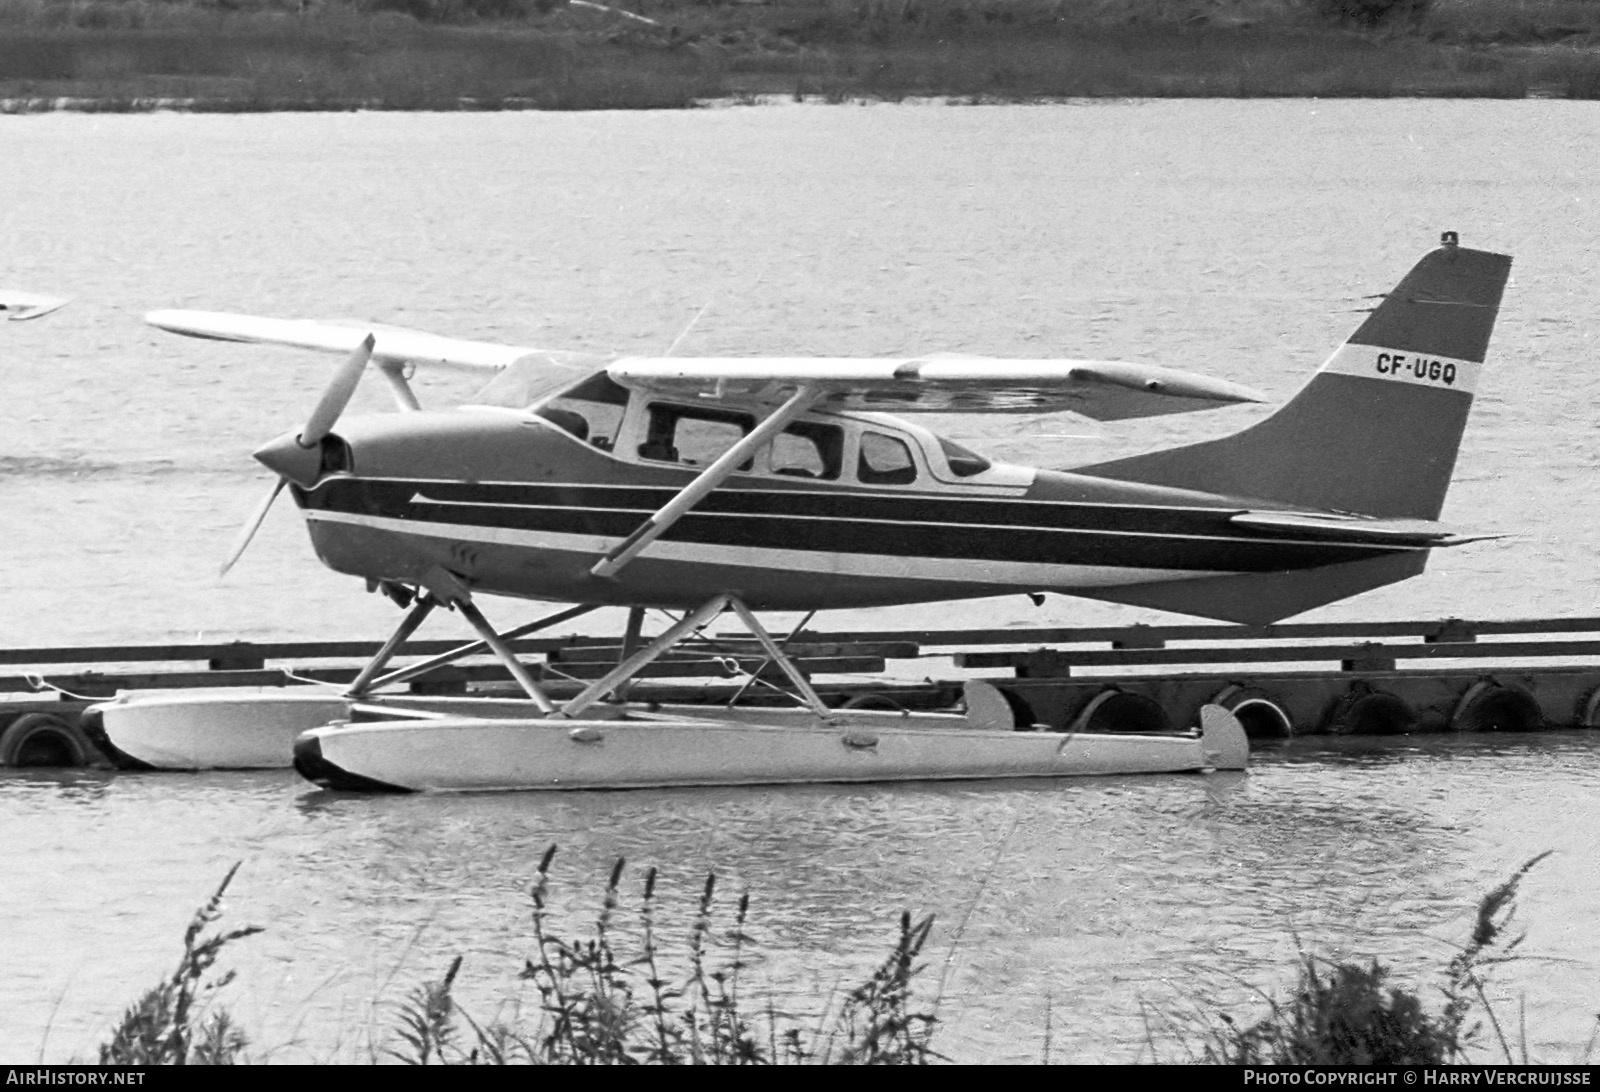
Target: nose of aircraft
x=302, y=457
x=286, y=457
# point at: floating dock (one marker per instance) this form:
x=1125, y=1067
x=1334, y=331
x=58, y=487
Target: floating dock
x=1284, y=680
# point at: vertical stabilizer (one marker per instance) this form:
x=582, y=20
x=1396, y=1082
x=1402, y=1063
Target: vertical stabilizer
x=1376, y=430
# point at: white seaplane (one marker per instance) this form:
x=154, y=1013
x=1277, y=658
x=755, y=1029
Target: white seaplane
x=708, y=485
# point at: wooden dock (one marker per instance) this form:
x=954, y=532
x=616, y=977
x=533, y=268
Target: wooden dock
x=1281, y=680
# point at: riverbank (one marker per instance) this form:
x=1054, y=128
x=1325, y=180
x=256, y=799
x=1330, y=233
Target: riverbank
x=628, y=994
x=256, y=55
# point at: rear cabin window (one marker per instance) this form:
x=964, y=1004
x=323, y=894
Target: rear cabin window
x=885, y=460
x=963, y=463
x=809, y=450
x=692, y=436
x=591, y=411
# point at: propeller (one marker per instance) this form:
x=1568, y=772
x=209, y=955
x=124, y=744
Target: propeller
x=337, y=396
x=297, y=457
x=248, y=531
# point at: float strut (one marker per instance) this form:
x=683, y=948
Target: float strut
x=476, y=647
x=781, y=658
x=408, y=625
x=755, y=676
x=630, y=645
x=631, y=666
x=503, y=653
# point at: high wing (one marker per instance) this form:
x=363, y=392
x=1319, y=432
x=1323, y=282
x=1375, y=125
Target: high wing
x=1104, y=390
x=25, y=305
x=392, y=345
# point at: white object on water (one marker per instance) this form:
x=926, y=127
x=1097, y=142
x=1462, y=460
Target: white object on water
x=20, y=306
x=217, y=728
x=241, y=727
x=468, y=744
x=735, y=747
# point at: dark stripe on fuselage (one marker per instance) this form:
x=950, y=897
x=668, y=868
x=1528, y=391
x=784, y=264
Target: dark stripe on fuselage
x=923, y=525
x=832, y=504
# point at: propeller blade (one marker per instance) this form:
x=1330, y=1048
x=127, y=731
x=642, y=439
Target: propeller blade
x=337, y=396
x=250, y=528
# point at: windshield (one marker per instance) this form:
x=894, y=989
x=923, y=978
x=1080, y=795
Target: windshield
x=536, y=376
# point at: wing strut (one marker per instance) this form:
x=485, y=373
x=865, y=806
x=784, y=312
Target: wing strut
x=404, y=396
x=709, y=478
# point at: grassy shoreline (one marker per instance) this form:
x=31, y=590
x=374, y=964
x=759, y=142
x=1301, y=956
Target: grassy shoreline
x=131, y=55
x=628, y=994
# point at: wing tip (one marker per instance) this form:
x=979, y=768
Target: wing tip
x=23, y=306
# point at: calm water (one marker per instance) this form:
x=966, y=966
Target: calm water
x=1234, y=238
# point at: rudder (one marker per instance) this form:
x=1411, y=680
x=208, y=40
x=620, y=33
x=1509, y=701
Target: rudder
x=1377, y=428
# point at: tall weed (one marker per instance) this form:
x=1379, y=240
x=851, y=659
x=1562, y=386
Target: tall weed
x=1348, y=1014
x=625, y=995
x=600, y=1006
x=175, y=1022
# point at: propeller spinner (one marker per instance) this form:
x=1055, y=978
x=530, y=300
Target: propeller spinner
x=297, y=457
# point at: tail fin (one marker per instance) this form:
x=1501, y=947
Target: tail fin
x=1376, y=430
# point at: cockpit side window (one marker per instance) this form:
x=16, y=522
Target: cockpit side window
x=807, y=449
x=885, y=460
x=591, y=411
x=692, y=435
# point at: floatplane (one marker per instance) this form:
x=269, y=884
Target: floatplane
x=709, y=486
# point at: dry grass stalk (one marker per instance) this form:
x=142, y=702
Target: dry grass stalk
x=174, y=1023
x=1347, y=1014
x=595, y=1008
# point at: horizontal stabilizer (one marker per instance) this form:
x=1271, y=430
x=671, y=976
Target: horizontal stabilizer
x=394, y=344
x=19, y=306
x=1100, y=389
x=1378, y=532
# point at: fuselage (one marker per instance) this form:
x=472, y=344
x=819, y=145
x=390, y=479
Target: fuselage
x=843, y=510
